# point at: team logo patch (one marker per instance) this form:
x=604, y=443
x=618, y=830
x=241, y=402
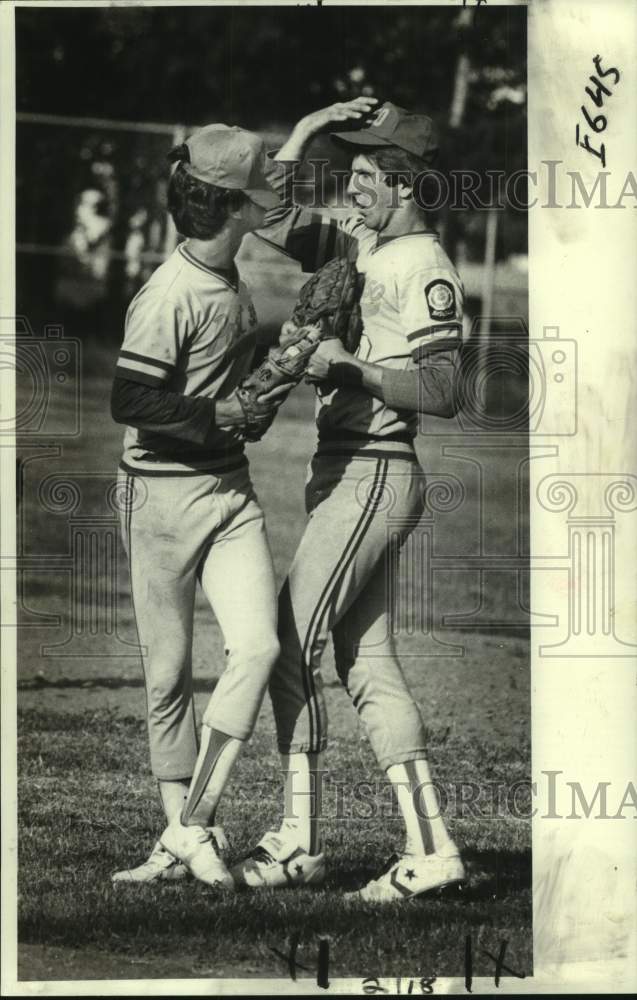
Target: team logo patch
x=441, y=299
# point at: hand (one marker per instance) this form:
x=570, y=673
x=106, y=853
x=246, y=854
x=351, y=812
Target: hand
x=292, y=334
x=293, y=149
x=272, y=400
x=289, y=333
x=229, y=413
x=336, y=114
x=264, y=409
x=328, y=354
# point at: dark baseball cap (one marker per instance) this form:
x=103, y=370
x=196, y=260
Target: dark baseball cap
x=230, y=157
x=390, y=125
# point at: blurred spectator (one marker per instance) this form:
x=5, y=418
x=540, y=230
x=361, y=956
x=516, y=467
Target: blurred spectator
x=133, y=250
x=81, y=286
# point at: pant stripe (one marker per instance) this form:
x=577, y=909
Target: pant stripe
x=418, y=801
x=350, y=550
x=216, y=745
x=128, y=523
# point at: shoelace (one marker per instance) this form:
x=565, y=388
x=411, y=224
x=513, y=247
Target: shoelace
x=205, y=836
x=260, y=854
x=389, y=864
x=160, y=858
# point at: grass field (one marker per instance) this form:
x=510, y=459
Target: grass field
x=87, y=803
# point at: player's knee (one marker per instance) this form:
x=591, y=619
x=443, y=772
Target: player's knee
x=164, y=692
x=270, y=653
x=354, y=674
x=259, y=656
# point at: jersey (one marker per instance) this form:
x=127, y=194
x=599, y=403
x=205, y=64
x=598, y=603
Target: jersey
x=411, y=304
x=191, y=329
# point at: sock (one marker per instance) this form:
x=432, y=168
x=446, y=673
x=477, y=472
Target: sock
x=426, y=832
x=173, y=795
x=302, y=809
x=216, y=759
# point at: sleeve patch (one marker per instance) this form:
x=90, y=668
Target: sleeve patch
x=441, y=299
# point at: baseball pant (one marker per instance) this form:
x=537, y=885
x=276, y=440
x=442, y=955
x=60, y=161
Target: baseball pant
x=340, y=581
x=177, y=529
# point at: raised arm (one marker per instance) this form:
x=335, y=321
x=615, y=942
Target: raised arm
x=326, y=119
x=311, y=237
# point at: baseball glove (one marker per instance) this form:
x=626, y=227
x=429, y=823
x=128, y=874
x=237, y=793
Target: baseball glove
x=327, y=307
x=331, y=298
x=282, y=369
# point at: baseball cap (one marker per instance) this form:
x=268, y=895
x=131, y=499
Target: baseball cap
x=390, y=125
x=230, y=157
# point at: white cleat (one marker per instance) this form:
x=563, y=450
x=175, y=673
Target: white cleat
x=412, y=875
x=160, y=867
x=279, y=863
x=198, y=849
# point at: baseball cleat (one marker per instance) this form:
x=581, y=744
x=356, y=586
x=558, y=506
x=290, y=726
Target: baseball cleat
x=412, y=875
x=277, y=863
x=160, y=867
x=197, y=848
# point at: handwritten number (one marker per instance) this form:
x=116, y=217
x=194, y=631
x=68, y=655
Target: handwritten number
x=468, y=964
x=322, y=975
x=598, y=123
x=500, y=967
x=598, y=60
x=596, y=97
x=290, y=958
x=371, y=986
x=427, y=984
x=323, y=964
x=294, y=944
x=600, y=154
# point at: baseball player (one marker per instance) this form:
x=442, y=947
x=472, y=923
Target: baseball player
x=367, y=410
x=191, y=512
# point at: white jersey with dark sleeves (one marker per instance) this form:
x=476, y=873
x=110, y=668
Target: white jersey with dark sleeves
x=192, y=330
x=412, y=303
